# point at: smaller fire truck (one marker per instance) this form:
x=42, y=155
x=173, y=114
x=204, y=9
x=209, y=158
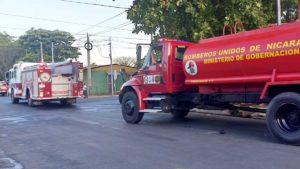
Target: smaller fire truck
x=3, y=88
x=42, y=82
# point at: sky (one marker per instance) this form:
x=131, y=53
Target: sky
x=17, y=16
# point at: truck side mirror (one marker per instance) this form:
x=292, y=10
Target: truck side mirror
x=145, y=68
x=138, y=56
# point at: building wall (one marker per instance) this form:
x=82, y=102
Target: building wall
x=129, y=70
x=99, y=82
x=101, y=79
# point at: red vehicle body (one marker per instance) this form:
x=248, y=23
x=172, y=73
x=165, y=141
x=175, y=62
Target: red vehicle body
x=258, y=66
x=41, y=82
x=3, y=88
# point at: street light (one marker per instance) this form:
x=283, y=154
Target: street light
x=278, y=12
x=52, y=48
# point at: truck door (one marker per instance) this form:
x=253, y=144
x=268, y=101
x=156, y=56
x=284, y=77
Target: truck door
x=153, y=76
x=177, y=76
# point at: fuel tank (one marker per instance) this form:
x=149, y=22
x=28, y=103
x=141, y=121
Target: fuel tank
x=251, y=57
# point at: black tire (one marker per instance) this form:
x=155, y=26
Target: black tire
x=65, y=103
x=283, y=117
x=180, y=114
x=130, y=108
x=13, y=99
x=29, y=100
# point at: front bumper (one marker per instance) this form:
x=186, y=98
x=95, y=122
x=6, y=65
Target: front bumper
x=3, y=91
x=55, y=98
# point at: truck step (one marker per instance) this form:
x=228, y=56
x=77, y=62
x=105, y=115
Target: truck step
x=151, y=111
x=153, y=99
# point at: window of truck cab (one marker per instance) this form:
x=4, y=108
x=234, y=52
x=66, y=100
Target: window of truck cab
x=156, y=55
x=179, y=52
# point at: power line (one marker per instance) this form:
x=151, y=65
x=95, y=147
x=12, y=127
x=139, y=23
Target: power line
x=58, y=21
x=118, y=37
x=44, y=19
x=114, y=28
x=121, y=37
x=14, y=28
x=95, y=4
x=106, y=20
x=109, y=30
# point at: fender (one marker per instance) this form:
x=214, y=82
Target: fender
x=134, y=84
x=273, y=82
x=279, y=84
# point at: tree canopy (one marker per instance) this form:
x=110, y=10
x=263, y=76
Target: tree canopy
x=125, y=61
x=196, y=19
x=27, y=47
x=62, y=45
x=10, y=51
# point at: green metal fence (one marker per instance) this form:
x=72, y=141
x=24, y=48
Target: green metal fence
x=101, y=83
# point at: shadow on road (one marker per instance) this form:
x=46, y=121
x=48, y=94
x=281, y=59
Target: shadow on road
x=244, y=128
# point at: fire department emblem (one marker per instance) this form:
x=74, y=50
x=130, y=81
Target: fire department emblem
x=191, y=67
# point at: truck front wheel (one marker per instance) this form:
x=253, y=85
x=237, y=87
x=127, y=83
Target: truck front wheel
x=13, y=99
x=283, y=117
x=66, y=102
x=130, y=108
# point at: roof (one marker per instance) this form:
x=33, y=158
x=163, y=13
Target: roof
x=109, y=65
x=117, y=67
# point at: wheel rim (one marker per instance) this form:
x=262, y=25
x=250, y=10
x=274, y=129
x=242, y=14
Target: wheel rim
x=288, y=118
x=129, y=107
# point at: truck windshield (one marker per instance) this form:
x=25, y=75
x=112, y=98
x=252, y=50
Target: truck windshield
x=153, y=56
x=147, y=58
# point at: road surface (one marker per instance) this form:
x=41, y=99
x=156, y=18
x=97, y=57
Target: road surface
x=92, y=135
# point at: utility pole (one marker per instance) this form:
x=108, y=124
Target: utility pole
x=111, y=68
x=52, y=52
x=41, y=46
x=298, y=9
x=88, y=46
x=279, y=12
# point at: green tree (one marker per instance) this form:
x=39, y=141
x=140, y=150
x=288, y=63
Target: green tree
x=290, y=10
x=62, y=45
x=125, y=61
x=196, y=19
x=10, y=52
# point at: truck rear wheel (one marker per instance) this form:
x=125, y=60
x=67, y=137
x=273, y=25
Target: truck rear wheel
x=179, y=114
x=130, y=108
x=283, y=117
x=13, y=99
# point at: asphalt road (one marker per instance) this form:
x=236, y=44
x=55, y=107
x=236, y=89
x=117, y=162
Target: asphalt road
x=93, y=135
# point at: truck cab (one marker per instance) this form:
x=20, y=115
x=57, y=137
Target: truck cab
x=153, y=87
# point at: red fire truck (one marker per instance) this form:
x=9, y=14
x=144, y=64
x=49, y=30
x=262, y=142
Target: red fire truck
x=3, y=88
x=258, y=66
x=42, y=82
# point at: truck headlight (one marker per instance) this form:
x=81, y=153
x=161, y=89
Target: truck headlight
x=45, y=77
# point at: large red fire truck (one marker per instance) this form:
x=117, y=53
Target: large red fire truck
x=258, y=66
x=42, y=82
